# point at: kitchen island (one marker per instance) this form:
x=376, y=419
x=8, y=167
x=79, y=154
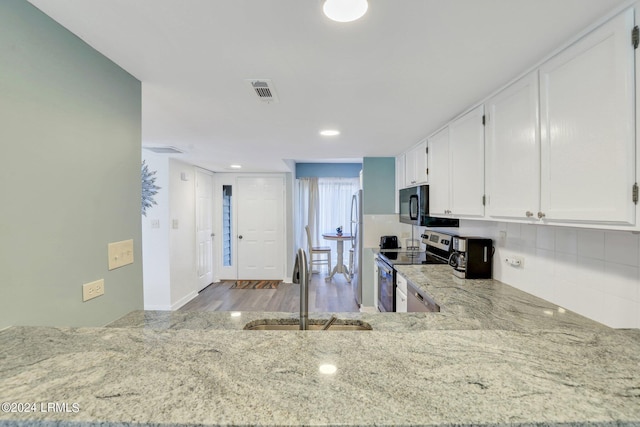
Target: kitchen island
x=494, y=356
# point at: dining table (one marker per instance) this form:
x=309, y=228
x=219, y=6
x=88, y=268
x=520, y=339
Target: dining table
x=339, y=238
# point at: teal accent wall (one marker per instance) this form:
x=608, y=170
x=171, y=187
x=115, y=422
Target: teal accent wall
x=69, y=175
x=378, y=185
x=328, y=170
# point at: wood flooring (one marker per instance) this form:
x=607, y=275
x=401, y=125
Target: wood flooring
x=334, y=296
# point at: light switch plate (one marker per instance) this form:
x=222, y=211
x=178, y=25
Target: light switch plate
x=92, y=290
x=120, y=253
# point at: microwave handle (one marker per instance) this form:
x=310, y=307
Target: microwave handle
x=413, y=207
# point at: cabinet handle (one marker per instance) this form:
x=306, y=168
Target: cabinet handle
x=529, y=214
x=541, y=215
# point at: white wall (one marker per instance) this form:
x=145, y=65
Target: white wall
x=182, y=233
x=155, y=241
x=592, y=272
x=169, y=251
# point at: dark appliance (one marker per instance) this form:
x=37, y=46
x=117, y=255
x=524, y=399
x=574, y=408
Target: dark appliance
x=413, y=203
x=389, y=242
x=438, y=251
x=471, y=257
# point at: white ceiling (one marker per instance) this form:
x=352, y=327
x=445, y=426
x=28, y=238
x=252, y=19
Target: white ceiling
x=386, y=81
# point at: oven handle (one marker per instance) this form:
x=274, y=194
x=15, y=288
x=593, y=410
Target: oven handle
x=384, y=266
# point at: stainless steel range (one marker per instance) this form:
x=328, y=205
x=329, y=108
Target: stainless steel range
x=438, y=250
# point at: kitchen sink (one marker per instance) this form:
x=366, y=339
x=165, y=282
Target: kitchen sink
x=314, y=325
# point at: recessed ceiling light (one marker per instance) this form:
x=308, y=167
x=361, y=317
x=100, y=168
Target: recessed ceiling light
x=330, y=132
x=345, y=10
x=235, y=166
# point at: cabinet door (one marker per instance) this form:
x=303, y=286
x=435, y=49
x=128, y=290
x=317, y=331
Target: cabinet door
x=401, y=301
x=466, y=142
x=416, y=165
x=420, y=163
x=587, y=128
x=439, y=183
x=512, y=173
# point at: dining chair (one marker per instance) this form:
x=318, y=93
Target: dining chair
x=317, y=250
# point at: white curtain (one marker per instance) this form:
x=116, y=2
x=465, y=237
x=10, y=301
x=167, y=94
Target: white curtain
x=324, y=204
x=306, y=211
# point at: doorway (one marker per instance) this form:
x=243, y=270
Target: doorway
x=261, y=234
x=204, y=228
x=253, y=228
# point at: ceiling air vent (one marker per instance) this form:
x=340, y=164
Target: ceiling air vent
x=264, y=89
x=164, y=150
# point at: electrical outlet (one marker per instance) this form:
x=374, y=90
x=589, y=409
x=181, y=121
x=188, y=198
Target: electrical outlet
x=155, y=223
x=515, y=261
x=120, y=254
x=92, y=290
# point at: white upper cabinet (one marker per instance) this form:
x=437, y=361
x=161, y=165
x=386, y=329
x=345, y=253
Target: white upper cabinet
x=416, y=165
x=587, y=95
x=513, y=151
x=466, y=149
x=439, y=182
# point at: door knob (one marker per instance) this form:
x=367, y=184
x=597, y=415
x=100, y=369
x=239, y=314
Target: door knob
x=541, y=215
x=529, y=214
x=240, y=237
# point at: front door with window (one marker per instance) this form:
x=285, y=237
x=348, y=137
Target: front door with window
x=260, y=228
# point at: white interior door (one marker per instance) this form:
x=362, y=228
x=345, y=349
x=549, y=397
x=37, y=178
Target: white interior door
x=260, y=227
x=204, y=227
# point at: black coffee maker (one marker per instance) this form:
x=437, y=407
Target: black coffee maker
x=471, y=257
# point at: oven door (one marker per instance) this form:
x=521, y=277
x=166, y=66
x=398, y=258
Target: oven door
x=386, y=291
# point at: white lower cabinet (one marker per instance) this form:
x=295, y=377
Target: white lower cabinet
x=587, y=96
x=401, y=294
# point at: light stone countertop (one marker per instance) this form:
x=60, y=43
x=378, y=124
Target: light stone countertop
x=493, y=356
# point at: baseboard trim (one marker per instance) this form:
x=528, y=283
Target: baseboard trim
x=157, y=307
x=368, y=309
x=182, y=301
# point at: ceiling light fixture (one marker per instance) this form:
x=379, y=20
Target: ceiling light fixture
x=329, y=132
x=235, y=166
x=345, y=10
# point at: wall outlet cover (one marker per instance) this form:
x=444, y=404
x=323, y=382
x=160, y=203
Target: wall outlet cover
x=92, y=290
x=120, y=253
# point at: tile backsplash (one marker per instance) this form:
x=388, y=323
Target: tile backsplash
x=595, y=273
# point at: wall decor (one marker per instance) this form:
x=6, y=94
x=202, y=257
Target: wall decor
x=149, y=188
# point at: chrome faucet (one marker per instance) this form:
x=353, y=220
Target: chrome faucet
x=300, y=275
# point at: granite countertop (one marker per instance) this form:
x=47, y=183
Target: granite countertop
x=493, y=356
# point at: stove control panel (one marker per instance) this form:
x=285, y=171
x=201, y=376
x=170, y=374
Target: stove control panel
x=437, y=240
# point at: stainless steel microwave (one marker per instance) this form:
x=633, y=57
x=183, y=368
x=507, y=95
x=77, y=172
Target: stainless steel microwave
x=414, y=208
